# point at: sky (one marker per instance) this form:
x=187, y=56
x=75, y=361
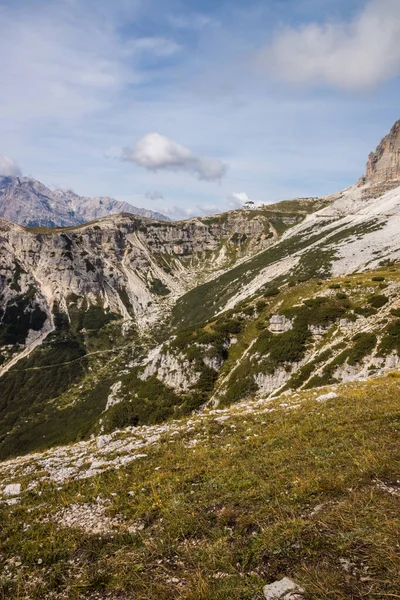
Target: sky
x=190, y=107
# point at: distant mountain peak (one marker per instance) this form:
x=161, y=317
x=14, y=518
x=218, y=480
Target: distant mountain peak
x=28, y=202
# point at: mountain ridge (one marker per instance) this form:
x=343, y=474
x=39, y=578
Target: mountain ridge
x=142, y=320
x=28, y=202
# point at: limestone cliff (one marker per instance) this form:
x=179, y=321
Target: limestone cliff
x=384, y=163
x=383, y=166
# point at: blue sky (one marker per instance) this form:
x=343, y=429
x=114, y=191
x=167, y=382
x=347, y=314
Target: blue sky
x=188, y=106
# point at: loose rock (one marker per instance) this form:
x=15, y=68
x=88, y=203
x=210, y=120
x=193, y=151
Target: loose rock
x=285, y=589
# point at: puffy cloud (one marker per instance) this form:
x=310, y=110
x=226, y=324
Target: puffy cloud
x=177, y=213
x=156, y=152
x=8, y=167
x=154, y=195
x=354, y=56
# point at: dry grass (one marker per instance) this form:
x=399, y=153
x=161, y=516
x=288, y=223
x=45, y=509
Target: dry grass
x=262, y=495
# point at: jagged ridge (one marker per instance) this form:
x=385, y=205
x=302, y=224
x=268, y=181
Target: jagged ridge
x=28, y=202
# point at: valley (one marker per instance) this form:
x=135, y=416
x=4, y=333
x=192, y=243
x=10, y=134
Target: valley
x=195, y=409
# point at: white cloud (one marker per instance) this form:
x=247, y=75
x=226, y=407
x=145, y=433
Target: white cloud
x=8, y=167
x=154, y=195
x=354, y=56
x=201, y=210
x=237, y=199
x=65, y=63
x=156, y=152
x=158, y=46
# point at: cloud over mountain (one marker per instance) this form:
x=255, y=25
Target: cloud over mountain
x=8, y=167
x=237, y=199
x=156, y=152
x=355, y=55
x=154, y=195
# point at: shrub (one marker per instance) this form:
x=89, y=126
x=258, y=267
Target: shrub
x=260, y=305
x=159, y=288
x=378, y=278
x=96, y=318
x=241, y=385
x=364, y=343
x=391, y=339
x=378, y=301
x=272, y=291
x=365, y=311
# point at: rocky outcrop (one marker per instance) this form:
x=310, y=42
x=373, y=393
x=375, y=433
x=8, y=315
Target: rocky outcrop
x=279, y=324
x=127, y=265
x=268, y=383
x=28, y=202
x=384, y=164
x=174, y=371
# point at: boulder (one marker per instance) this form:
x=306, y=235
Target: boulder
x=328, y=396
x=13, y=489
x=284, y=589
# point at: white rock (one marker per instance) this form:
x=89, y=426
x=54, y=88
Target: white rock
x=285, y=589
x=328, y=396
x=13, y=489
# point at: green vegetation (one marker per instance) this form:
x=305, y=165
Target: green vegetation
x=303, y=374
x=200, y=304
x=378, y=301
x=271, y=291
x=149, y=402
x=271, y=351
x=27, y=419
x=363, y=345
x=390, y=341
x=159, y=288
x=34, y=408
x=19, y=316
x=297, y=493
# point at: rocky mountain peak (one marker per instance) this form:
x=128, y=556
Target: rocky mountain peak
x=384, y=164
x=28, y=202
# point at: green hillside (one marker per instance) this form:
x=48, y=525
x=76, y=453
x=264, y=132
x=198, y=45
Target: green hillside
x=220, y=506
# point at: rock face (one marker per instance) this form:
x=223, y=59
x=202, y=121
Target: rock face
x=127, y=266
x=384, y=164
x=28, y=202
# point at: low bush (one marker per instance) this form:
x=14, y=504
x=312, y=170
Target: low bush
x=377, y=301
x=272, y=291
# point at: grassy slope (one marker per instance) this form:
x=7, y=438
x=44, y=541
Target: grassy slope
x=203, y=302
x=237, y=510
x=59, y=393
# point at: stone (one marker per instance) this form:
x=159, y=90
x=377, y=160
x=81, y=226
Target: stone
x=279, y=324
x=284, y=589
x=13, y=489
x=325, y=397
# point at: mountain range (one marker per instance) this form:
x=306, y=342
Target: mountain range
x=203, y=408
x=30, y=203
